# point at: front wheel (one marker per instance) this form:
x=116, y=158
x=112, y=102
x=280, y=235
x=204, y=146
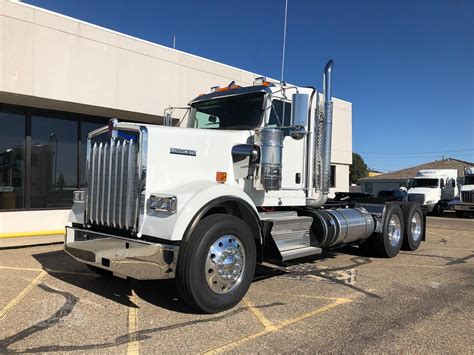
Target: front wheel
x=437, y=209
x=216, y=265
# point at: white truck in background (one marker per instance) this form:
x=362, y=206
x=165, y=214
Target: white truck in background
x=466, y=195
x=434, y=189
x=246, y=181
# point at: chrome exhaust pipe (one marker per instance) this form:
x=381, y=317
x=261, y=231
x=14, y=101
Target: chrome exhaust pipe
x=322, y=132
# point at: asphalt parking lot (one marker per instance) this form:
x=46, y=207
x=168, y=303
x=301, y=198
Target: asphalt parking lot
x=342, y=301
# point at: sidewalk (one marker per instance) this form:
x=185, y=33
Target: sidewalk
x=30, y=240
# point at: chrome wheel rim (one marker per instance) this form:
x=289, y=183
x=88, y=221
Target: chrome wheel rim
x=416, y=226
x=394, y=230
x=225, y=264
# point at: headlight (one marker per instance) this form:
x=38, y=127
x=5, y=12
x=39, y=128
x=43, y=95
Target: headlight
x=79, y=196
x=165, y=203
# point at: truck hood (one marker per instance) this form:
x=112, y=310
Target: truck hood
x=177, y=156
x=467, y=188
x=430, y=193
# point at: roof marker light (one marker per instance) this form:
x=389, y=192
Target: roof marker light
x=259, y=81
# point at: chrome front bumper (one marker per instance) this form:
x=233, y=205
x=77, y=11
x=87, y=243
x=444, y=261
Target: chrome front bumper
x=126, y=257
x=464, y=207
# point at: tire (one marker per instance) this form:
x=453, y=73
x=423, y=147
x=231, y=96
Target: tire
x=202, y=282
x=99, y=271
x=437, y=210
x=413, y=220
x=388, y=243
x=460, y=214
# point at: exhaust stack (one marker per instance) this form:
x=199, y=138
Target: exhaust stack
x=322, y=132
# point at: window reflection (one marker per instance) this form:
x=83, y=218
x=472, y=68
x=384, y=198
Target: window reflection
x=12, y=133
x=53, y=149
x=53, y=162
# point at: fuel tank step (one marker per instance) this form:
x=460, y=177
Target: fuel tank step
x=288, y=235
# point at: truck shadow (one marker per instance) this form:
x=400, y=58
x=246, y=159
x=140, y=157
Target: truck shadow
x=163, y=293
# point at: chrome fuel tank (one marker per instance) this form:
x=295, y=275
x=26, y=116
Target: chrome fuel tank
x=341, y=226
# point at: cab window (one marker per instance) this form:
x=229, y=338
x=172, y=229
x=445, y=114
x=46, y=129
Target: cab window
x=228, y=112
x=277, y=117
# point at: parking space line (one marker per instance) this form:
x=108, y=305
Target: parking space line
x=277, y=327
x=22, y=294
x=132, y=345
x=259, y=315
x=298, y=295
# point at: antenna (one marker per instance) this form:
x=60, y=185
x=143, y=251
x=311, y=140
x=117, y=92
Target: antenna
x=284, y=43
x=174, y=41
x=283, y=63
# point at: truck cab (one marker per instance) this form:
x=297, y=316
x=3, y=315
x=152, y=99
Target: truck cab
x=433, y=189
x=466, y=196
x=242, y=178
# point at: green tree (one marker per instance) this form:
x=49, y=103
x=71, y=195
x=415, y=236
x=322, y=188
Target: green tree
x=358, y=169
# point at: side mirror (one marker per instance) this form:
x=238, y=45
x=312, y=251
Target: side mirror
x=453, y=183
x=299, y=110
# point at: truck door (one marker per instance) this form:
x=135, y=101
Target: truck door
x=448, y=190
x=293, y=154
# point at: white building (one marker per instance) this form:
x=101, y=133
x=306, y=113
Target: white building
x=61, y=78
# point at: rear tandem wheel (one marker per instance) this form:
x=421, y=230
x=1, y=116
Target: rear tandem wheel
x=388, y=243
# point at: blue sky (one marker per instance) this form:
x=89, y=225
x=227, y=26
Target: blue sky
x=407, y=66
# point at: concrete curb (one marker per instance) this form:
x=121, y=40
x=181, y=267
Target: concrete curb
x=7, y=243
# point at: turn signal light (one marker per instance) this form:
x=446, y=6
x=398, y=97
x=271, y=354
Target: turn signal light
x=221, y=176
x=232, y=87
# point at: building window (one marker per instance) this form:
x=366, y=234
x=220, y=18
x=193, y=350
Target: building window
x=333, y=176
x=368, y=188
x=276, y=114
x=42, y=156
x=53, y=161
x=12, y=158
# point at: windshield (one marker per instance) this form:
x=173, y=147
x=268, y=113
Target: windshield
x=425, y=183
x=469, y=180
x=233, y=112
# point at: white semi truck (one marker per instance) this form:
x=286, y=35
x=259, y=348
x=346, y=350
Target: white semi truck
x=466, y=196
x=434, y=189
x=247, y=181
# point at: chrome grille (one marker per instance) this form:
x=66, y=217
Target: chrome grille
x=467, y=196
x=419, y=198
x=112, y=183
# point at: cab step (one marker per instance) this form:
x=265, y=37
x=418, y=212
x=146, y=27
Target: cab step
x=288, y=235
